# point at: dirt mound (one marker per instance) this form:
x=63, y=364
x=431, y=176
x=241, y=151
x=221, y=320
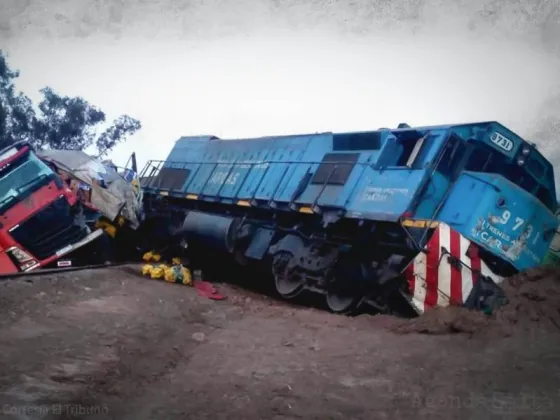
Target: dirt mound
x=533, y=298
x=447, y=320
x=533, y=302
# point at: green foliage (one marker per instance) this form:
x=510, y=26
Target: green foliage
x=59, y=122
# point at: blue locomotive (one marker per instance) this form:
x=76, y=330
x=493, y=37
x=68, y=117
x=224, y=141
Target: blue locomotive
x=432, y=215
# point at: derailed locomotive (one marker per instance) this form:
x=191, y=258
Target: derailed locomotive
x=433, y=215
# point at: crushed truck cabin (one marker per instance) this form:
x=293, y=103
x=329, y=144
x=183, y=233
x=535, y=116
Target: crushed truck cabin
x=54, y=210
x=40, y=216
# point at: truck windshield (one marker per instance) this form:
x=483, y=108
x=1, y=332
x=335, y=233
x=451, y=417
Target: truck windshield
x=22, y=177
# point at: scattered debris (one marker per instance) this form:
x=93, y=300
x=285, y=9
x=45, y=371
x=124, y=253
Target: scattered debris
x=177, y=273
x=205, y=289
x=99, y=186
x=174, y=273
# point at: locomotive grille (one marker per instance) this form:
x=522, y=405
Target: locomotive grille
x=331, y=172
x=168, y=179
x=49, y=230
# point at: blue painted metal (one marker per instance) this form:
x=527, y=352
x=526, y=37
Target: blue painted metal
x=503, y=218
x=369, y=175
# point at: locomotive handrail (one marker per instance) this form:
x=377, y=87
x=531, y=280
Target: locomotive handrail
x=259, y=162
x=275, y=189
x=434, y=165
x=208, y=178
x=260, y=182
x=155, y=166
x=325, y=183
x=250, y=165
x=266, y=162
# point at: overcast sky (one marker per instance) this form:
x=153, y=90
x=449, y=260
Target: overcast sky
x=266, y=67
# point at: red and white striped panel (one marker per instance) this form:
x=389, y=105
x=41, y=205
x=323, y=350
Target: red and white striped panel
x=433, y=282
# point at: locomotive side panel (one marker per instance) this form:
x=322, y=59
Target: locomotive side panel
x=303, y=171
x=385, y=196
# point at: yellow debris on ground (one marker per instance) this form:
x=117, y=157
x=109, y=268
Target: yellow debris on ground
x=154, y=271
x=175, y=273
x=151, y=256
x=147, y=269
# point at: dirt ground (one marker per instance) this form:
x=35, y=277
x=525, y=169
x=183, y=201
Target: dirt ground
x=111, y=344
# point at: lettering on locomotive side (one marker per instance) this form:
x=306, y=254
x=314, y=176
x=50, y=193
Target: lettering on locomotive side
x=502, y=142
x=221, y=177
x=382, y=194
x=497, y=232
x=261, y=166
x=489, y=234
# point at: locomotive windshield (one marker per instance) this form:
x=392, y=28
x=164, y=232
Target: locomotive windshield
x=528, y=175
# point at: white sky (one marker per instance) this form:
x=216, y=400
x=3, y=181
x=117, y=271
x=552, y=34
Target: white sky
x=264, y=78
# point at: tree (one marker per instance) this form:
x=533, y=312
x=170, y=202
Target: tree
x=58, y=122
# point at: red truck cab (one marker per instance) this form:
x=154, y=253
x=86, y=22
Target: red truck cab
x=40, y=217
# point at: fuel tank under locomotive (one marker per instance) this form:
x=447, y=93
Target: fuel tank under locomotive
x=210, y=231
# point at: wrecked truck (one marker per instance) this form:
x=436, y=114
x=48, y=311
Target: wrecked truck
x=41, y=218
x=111, y=200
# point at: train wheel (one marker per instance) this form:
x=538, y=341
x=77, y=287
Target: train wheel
x=342, y=301
x=343, y=292
x=287, y=284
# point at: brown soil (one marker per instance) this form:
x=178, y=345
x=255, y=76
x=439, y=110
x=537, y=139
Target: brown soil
x=533, y=304
x=111, y=344
x=534, y=299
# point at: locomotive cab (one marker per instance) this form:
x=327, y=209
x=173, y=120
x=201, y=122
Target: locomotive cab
x=492, y=202
x=505, y=204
